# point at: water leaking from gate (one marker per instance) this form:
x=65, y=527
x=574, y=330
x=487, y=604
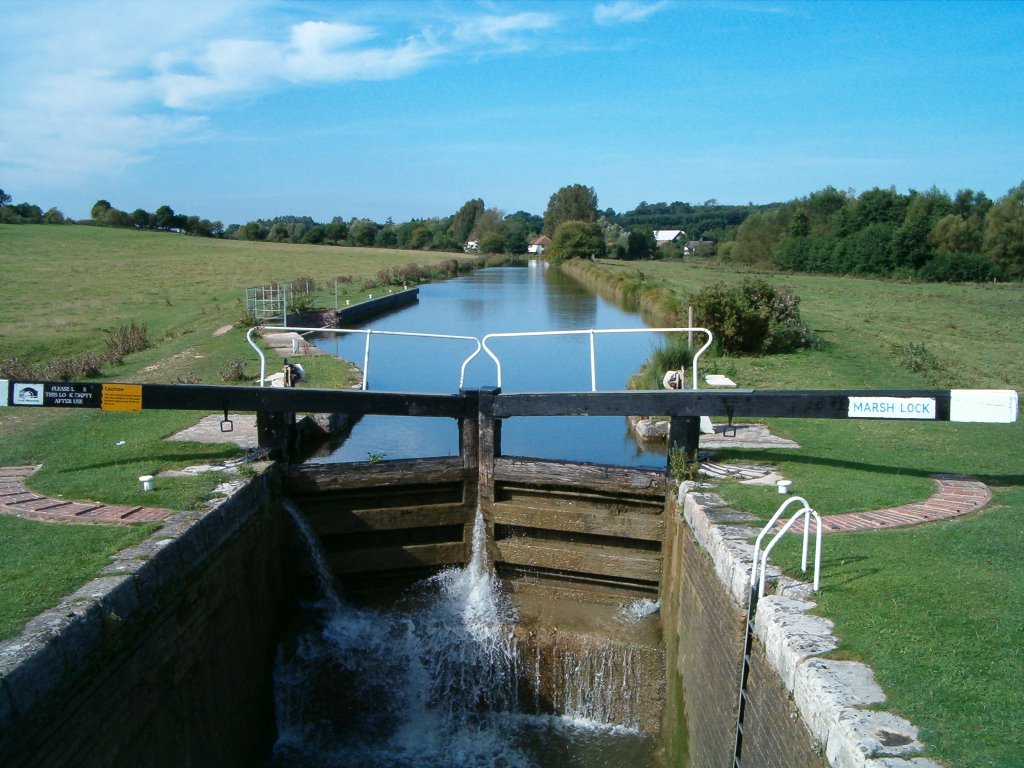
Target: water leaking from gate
x=439, y=680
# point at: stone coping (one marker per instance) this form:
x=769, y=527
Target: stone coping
x=831, y=696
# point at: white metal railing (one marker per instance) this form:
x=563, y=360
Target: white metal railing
x=591, y=333
x=366, y=350
x=758, y=577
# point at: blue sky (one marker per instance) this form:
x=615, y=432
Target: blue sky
x=239, y=110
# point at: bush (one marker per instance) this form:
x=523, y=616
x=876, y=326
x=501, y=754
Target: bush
x=126, y=340
x=672, y=357
x=960, y=268
x=233, y=372
x=752, y=318
x=85, y=366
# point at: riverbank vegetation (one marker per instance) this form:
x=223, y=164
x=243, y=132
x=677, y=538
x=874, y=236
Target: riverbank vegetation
x=934, y=609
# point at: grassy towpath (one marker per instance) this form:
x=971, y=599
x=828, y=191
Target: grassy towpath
x=934, y=609
x=67, y=288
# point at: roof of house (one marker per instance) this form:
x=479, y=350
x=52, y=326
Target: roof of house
x=667, y=235
x=542, y=240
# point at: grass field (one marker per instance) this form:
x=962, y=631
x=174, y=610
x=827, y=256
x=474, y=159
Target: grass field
x=934, y=609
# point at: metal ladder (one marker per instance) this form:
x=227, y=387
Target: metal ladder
x=757, y=579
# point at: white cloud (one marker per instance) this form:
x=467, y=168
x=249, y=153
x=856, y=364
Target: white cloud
x=511, y=32
x=625, y=11
x=94, y=88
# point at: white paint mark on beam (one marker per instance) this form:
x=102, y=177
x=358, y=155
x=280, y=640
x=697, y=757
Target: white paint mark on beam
x=993, y=406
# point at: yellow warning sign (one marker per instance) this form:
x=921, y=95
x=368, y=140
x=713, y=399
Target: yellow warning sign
x=121, y=397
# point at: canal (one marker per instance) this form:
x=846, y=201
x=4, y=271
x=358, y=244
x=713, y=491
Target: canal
x=501, y=300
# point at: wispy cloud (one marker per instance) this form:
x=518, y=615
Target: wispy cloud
x=96, y=92
x=509, y=32
x=625, y=11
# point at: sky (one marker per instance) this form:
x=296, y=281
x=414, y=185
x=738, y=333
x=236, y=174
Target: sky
x=234, y=110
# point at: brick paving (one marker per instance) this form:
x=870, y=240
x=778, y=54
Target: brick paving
x=16, y=499
x=954, y=496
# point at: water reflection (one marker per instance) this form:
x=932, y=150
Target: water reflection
x=501, y=300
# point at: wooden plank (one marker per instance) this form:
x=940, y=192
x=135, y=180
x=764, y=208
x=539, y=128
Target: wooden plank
x=580, y=558
x=562, y=499
x=319, y=478
x=578, y=475
x=327, y=522
x=643, y=527
x=396, y=558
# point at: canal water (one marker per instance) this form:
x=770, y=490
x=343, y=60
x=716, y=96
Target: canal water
x=501, y=300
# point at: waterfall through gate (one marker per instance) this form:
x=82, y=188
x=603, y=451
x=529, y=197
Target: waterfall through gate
x=435, y=682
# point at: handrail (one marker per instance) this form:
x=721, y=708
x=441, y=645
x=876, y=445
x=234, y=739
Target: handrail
x=591, y=332
x=366, y=350
x=805, y=511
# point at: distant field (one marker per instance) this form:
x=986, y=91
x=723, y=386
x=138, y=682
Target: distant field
x=974, y=332
x=65, y=287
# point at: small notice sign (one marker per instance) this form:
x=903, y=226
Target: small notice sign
x=121, y=397
x=26, y=393
x=892, y=408
x=4, y=383
x=72, y=395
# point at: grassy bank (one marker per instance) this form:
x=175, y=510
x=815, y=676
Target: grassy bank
x=66, y=290
x=934, y=609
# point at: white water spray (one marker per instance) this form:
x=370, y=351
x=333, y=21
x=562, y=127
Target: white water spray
x=432, y=683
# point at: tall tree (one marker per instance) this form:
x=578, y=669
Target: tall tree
x=465, y=219
x=1004, y=232
x=573, y=203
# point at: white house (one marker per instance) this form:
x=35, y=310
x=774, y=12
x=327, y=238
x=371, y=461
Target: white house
x=539, y=245
x=664, y=236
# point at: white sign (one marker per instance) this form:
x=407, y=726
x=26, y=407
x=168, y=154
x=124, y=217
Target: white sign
x=995, y=406
x=3, y=392
x=27, y=394
x=892, y=408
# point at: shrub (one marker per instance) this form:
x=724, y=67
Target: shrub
x=960, y=268
x=233, y=372
x=84, y=366
x=126, y=340
x=672, y=357
x=752, y=318
x=16, y=369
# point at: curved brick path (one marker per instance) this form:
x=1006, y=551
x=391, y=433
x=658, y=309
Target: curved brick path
x=15, y=499
x=954, y=496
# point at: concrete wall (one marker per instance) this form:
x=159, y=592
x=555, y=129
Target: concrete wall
x=381, y=305
x=803, y=710
x=167, y=658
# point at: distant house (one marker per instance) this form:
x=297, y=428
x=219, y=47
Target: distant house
x=690, y=249
x=472, y=245
x=539, y=245
x=665, y=236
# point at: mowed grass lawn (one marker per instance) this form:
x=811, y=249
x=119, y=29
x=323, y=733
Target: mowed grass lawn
x=66, y=289
x=935, y=609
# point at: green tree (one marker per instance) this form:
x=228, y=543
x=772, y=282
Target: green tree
x=1004, y=232
x=99, y=208
x=4, y=198
x=53, y=216
x=913, y=246
x=955, y=234
x=573, y=203
x=757, y=236
x=640, y=244
x=576, y=239
x=464, y=220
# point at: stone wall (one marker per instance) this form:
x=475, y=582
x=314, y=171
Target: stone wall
x=802, y=711
x=167, y=658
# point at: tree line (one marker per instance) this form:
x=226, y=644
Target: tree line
x=925, y=235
